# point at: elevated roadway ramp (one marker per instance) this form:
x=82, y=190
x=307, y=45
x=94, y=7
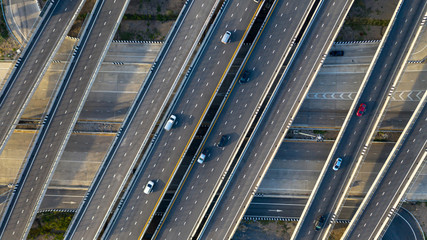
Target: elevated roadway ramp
x=238, y=110
x=402, y=166
x=33, y=63
x=275, y=121
x=202, y=82
x=59, y=122
x=145, y=114
x=393, y=181
x=357, y=133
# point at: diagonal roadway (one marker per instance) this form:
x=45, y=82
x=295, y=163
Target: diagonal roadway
x=371, y=219
x=141, y=119
x=33, y=63
x=276, y=120
x=57, y=127
x=204, y=80
x=264, y=60
x=355, y=137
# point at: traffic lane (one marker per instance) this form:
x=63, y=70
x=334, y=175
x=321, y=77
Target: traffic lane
x=280, y=111
x=392, y=182
x=394, y=118
x=373, y=96
x=296, y=167
x=233, y=120
x=57, y=130
x=147, y=111
x=21, y=83
x=342, y=78
x=62, y=199
x=111, y=95
x=404, y=226
x=190, y=107
x=290, y=160
x=288, y=207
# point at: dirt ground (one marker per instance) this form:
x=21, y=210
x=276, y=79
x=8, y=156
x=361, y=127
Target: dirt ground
x=338, y=231
x=8, y=45
x=149, y=29
x=367, y=19
x=368, y=10
x=272, y=230
x=275, y=230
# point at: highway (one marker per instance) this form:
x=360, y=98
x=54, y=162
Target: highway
x=33, y=63
x=237, y=112
x=293, y=171
x=58, y=124
x=289, y=207
x=357, y=132
x=275, y=121
x=163, y=159
x=141, y=120
x=379, y=209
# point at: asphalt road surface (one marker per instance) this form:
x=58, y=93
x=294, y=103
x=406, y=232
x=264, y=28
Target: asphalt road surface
x=33, y=63
x=404, y=226
x=352, y=144
x=163, y=159
x=290, y=207
x=139, y=123
x=57, y=126
x=380, y=207
x=235, y=117
x=277, y=117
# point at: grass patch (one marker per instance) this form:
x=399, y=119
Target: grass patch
x=355, y=22
x=50, y=224
x=264, y=222
x=153, y=34
x=169, y=16
x=319, y=131
x=8, y=45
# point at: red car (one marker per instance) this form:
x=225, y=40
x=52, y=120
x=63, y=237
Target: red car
x=361, y=110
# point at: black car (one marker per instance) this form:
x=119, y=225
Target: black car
x=244, y=78
x=336, y=53
x=320, y=223
x=223, y=140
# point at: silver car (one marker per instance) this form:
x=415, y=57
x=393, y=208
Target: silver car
x=337, y=164
x=149, y=187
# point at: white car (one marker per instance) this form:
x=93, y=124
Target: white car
x=337, y=164
x=201, y=158
x=149, y=187
x=226, y=38
x=169, y=124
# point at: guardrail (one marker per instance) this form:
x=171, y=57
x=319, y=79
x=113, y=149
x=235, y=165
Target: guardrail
x=374, y=127
x=131, y=114
x=250, y=122
x=385, y=168
x=27, y=165
x=150, y=147
x=338, y=139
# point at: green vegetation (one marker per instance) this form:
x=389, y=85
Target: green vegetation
x=82, y=16
x=8, y=45
x=169, y=16
x=319, y=131
x=148, y=34
x=4, y=33
x=50, y=224
x=352, y=22
x=285, y=226
x=264, y=222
